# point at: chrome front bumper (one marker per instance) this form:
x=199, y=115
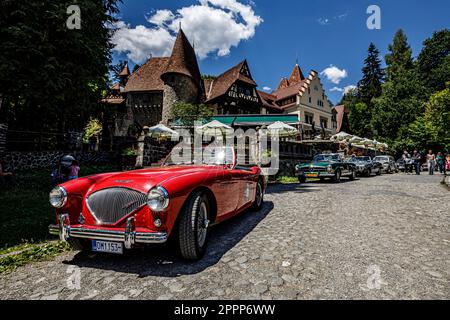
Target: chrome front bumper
x=320, y=174
x=129, y=236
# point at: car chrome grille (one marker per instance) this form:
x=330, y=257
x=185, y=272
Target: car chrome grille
x=110, y=205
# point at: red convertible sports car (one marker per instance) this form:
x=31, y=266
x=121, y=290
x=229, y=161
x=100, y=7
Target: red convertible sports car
x=116, y=211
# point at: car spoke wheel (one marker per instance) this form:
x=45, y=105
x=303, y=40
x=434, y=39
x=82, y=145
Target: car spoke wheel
x=193, y=226
x=259, y=197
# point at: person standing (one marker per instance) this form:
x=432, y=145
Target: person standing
x=431, y=162
x=447, y=163
x=74, y=170
x=407, y=161
x=440, y=159
x=416, y=158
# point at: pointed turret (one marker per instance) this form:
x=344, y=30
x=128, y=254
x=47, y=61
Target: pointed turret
x=284, y=83
x=125, y=71
x=183, y=60
x=297, y=75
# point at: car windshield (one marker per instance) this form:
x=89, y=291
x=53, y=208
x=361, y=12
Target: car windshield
x=210, y=155
x=381, y=159
x=359, y=159
x=326, y=157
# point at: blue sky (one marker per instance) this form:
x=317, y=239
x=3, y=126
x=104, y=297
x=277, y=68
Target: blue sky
x=271, y=34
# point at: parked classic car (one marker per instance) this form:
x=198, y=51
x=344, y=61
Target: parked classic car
x=326, y=166
x=116, y=211
x=387, y=162
x=365, y=166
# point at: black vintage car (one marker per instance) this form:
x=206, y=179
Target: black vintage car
x=365, y=166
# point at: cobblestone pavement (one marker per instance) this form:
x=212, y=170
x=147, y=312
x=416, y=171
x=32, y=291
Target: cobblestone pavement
x=374, y=238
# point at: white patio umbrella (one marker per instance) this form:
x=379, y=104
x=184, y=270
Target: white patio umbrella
x=341, y=136
x=356, y=139
x=161, y=130
x=215, y=128
x=282, y=129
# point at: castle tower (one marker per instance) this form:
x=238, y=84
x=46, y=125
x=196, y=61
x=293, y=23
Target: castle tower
x=181, y=77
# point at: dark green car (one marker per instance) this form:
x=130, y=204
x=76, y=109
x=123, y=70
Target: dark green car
x=325, y=166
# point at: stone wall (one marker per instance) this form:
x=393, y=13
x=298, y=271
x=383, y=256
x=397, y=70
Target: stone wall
x=178, y=89
x=3, y=132
x=17, y=161
x=155, y=151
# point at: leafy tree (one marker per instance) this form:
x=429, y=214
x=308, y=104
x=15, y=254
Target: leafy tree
x=433, y=62
x=359, y=118
x=187, y=113
x=401, y=101
x=51, y=77
x=369, y=86
x=399, y=59
x=437, y=114
x=94, y=127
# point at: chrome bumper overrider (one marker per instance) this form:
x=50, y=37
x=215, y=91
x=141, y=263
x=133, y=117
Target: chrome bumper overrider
x=129, y=236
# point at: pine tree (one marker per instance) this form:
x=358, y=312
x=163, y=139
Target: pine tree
x=399, y=59
x=369, y=86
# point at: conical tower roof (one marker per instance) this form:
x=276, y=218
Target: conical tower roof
x=125, y=71
x=183, y=59
x=297, y=75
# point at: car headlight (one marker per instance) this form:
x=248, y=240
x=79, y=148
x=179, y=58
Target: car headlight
x=329, y=168
x=58, y=197
x=158, y=199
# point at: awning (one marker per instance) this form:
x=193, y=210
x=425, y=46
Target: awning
x=251, y=120
x=257, y=120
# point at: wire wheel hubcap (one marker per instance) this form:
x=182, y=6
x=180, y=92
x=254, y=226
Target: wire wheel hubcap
x=202, y=224
x=258, y=194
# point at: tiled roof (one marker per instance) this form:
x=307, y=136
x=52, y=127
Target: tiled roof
x=183, y=59
x=283, y=84
x=288, y=91
x=148, y=76
x=125, y=71
x=222, y=83
x=340, y=110
x=268, y=100
x=297, y=75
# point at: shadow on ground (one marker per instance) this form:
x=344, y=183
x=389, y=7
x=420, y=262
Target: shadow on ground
x=165, y=261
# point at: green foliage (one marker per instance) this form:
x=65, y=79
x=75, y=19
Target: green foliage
x=187, y=113
x=359, y=117
x=129, y=152
x=94, y=127
x=52, y=77
x=433, y=63
x=399, y=59
x=369, y=87
x=32, y=253
x=208, y=76
x=437, y=115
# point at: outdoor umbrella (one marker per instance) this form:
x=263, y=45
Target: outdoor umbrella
x=282, y=129
x=356, y=140
x=215, y=129
x=341, y=136
x=161, y=130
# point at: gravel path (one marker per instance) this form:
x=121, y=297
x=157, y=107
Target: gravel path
x=383, y=237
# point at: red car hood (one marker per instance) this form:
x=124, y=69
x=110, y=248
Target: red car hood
x=146, y=179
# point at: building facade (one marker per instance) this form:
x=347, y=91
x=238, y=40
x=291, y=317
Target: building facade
x=305, y=96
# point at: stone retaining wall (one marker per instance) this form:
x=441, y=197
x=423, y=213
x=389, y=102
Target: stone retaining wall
x=16, y=161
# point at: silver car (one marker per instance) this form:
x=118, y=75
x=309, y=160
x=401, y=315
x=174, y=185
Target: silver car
x=387, y=162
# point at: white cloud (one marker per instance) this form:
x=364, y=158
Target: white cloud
x=214, y=26
x=334, y=74
x=267, y=88
x=325, y=21
x=337, y=89
x=349, y=88
x=344, y=90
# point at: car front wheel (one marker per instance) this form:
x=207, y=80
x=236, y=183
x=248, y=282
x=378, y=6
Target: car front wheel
x=259, y=197
x=193, y=228
x=353, y=175
x=337, y=176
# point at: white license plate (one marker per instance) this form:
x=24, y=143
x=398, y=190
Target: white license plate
x=107, y=246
